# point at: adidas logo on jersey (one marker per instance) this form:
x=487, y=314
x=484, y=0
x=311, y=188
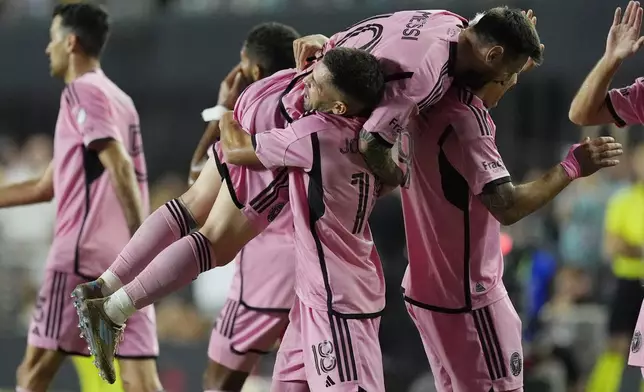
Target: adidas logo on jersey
x=329, y=382
x=479, y=288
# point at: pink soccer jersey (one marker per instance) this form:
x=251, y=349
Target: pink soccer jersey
x=257, y=111
x=91, y=228
x=332, y=195
x=453, y=242
x=418, y=50
x=627, y=104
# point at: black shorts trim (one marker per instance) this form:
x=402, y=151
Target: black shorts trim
x=225, y=175
x=438, y=309
x=490, y=344
x=343, y=349
x=57, y=297
x=609, y=105
x=128, y=357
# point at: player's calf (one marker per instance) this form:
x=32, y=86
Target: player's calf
x=218, y=377
x=139, y=375
x=37, y=370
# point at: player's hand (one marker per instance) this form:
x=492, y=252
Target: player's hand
x=231, y=87
x=595, y=154
x=530, y=63
x=624, y=36
x=306, y=47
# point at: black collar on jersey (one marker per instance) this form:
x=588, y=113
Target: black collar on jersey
x=288, y=89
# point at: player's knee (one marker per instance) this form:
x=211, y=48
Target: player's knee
x=140, y=384
x=139, y=376
x=198, y=208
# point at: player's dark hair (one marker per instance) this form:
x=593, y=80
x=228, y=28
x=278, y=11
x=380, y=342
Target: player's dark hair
x=357, y=74
x=511, y=29
x=270, y=45
x=89, y=22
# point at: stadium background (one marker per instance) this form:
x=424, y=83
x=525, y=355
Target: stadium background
x=170, y=57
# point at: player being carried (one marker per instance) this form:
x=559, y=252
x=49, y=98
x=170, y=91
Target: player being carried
x=459, y=194
x=346, y=84
x=595, y=104
x=256, y=312
x=425, y=51
x=98, y=176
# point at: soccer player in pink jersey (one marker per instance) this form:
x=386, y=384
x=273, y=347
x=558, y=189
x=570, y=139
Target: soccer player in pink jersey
x=98, y=177
x=425, y=51
x=259, y=194
x=256, y=312
x=595, y=104
x=459, y=194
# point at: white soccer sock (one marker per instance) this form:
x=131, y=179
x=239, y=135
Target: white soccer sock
x=119, y=307
x=111, y=283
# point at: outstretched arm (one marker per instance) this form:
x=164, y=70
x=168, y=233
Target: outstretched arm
x=591, y=105
x=29, y=192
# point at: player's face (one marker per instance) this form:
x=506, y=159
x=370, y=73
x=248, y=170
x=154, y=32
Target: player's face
x=58, y=49
x=489, y=64
x=320, y=94
x=494, y=91
x=250, y=70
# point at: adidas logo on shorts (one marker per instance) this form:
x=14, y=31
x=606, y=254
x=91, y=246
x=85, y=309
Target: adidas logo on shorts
x=329, y=381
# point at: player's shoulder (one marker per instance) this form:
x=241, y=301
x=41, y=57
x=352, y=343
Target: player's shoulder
x=467, y=114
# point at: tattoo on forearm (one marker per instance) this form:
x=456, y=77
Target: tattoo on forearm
x=378, y=159
x=498, y=199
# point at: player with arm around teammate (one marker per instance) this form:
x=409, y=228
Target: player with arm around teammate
x=248, y=200
x=98, y=177
x=461, y=188
x=594, y=104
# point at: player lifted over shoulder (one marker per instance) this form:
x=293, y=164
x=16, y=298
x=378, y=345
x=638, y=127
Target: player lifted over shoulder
x=595, y=104
x=256, y=312
x=248, y=201
x=98, y=169
x=425, y=51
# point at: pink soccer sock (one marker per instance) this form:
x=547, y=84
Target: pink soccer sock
x=163, y=227
x=175, y=267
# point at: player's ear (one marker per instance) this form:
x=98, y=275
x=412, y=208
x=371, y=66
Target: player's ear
x=71, y=43
x=256, y=72
x=494, y=55
x=339, y=108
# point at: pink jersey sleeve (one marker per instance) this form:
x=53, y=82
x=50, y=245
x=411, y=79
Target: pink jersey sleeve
x=290, y=146
x=482, y=161
x=625, y=104
x=93, y=113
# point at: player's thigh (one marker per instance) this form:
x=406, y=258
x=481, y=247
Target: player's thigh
x=480, y=350
x=227, y=228
x=241, y=335
x=341, y=354
x=139, y=375
x=442, y=380
x=201, y=196
x=38, y=368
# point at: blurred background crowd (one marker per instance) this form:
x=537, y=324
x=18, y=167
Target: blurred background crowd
x=170, y=56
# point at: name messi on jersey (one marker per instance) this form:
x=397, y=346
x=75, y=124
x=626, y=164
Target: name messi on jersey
x=414, y=24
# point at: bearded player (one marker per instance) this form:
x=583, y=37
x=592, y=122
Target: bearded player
x=256, y=312
x=98, y=177
x=460, y=184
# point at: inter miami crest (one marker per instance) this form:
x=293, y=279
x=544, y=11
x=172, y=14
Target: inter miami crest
x=636, y=343
x=516, y=364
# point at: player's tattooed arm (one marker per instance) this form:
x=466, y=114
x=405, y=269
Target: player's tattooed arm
x=510, y=203
x=236, y=143
x=38, y=190
x=377, y=156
